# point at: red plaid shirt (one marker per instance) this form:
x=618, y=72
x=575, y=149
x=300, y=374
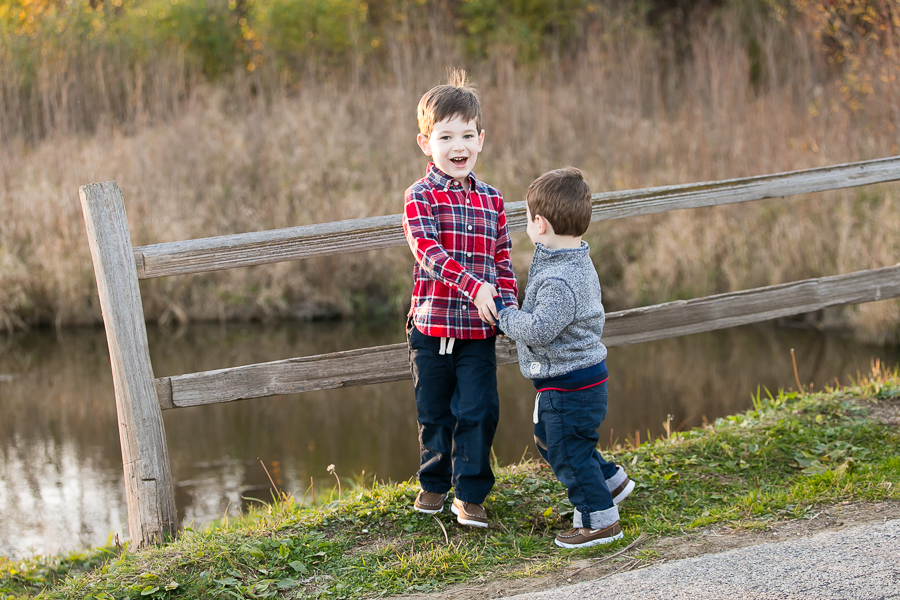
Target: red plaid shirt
x=459, y=240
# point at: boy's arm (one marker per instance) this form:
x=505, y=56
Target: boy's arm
x=554, y=310
x=422, y=237
x=506, y=279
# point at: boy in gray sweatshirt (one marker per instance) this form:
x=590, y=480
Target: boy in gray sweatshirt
x=557, y=334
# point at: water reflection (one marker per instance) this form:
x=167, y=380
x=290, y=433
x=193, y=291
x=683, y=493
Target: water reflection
x=60, y=464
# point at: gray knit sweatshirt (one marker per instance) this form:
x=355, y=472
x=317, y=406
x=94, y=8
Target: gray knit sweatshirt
x=558, y=329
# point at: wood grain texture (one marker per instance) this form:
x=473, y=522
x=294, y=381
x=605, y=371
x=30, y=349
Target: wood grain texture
x=149, y=493
x=721, y=311
x=261, y=247
x=390, y=363
x=245, y=249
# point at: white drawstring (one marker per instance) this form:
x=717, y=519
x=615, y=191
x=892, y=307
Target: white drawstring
x=446, y=345
x=537, y=403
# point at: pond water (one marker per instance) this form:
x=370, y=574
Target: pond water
x=61, y=485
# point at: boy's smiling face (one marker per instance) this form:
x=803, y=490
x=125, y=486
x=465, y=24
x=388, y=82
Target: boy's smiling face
x=454, y=145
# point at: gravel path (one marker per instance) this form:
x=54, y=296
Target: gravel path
x=851, y=564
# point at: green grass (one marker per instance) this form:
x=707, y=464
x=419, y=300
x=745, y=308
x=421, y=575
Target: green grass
x=18, y=579
x=789, y=455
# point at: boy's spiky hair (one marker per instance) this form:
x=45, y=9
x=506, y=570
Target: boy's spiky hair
x=457, y=97
x=562, y=197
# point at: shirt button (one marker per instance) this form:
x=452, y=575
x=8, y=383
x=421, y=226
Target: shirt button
x=470, y=228
x=469, y=254
x=468, y=201
x=464, y=307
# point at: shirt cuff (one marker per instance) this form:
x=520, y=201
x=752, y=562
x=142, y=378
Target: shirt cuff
x=469, y=285
x=508, y=297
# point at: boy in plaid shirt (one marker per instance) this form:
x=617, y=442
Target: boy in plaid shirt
x=456, y=229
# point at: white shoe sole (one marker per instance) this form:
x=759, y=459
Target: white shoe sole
x=624, y=493
x=426, y=511
x=596, y=542
x=463, y=521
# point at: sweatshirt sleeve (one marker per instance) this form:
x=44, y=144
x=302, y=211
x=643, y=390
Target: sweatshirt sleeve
x=553, y=311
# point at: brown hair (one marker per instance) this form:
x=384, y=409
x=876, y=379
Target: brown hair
x=455, y=98
x=562, y=197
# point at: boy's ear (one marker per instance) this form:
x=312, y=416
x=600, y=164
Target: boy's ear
x=481, y=140
x=542, y=224
x=424, y=143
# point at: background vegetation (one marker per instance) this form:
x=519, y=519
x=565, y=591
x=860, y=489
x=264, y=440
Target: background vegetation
x=217, y=117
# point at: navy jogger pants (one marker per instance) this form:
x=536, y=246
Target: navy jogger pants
x=457, y=410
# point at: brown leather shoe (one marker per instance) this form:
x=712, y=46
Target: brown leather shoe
x=581, y=537
x=469, y=513
x=622, y=491
x=429, y=502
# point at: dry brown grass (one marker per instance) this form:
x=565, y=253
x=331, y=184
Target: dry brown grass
x=624, y=111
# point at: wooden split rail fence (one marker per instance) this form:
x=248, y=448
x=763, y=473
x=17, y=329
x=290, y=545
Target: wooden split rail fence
x=140, y=396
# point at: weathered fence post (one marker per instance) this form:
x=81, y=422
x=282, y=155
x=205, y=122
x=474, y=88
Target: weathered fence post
x=148, y=480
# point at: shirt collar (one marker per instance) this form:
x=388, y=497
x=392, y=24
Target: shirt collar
x=442, y=181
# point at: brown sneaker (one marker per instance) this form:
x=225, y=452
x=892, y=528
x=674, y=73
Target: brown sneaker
x=581, y=537
x=622, y=491
x=469, y=513
x=429, y=502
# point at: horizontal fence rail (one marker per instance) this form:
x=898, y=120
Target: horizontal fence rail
x=356, y=235
x=672, y=319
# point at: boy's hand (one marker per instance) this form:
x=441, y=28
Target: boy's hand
x=484, y=302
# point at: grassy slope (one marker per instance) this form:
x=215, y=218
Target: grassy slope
x=789, y=455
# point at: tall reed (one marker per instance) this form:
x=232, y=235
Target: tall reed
x=259, y=151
